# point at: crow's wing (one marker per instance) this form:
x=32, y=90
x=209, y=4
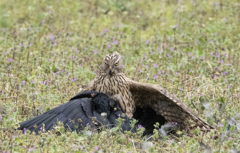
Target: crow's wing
x=75, y=113
x=79, y=113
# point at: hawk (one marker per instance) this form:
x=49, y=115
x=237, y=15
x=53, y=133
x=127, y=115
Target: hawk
x=131, y=94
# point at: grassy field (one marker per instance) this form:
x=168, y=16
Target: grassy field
x=50, y=49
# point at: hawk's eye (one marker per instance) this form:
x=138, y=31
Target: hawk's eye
x=106, y=63
x=116, y=63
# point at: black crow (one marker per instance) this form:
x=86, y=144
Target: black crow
x=85, y=109
x=147, y=118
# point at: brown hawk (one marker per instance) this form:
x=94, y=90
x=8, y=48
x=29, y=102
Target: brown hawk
x=131, y=94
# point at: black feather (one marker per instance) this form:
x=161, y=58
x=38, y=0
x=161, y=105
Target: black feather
x=78, y=112
x=147, y=118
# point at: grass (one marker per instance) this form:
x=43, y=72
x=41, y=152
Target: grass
x=50, y=49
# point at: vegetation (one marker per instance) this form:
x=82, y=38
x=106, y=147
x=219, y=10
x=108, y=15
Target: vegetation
x=50, y=49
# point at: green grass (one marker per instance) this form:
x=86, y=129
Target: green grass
x=46, y=45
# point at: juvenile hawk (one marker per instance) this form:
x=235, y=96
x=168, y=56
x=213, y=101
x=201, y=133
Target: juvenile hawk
x=131, y=94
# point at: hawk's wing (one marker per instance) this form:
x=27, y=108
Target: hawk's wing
x=167, y=105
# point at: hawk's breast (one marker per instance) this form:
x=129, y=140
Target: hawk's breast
x=116, y=85
x=112, y=85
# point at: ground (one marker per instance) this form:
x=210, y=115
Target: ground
x=50, y=49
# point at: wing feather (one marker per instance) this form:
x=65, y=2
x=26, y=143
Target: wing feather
x=167, y=105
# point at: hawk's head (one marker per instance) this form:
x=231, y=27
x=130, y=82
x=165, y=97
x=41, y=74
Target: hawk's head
x=112, y=64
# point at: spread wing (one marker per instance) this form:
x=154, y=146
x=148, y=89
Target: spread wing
x=74, y=113
x=166, y=104
x=79, y=112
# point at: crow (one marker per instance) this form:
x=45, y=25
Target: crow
x=87, y=109
x=147, y=118
x=94, y=110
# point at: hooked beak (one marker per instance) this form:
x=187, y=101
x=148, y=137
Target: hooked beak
x=110, y=71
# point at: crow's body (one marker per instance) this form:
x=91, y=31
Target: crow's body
x=147, y=118
x=82, y=110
